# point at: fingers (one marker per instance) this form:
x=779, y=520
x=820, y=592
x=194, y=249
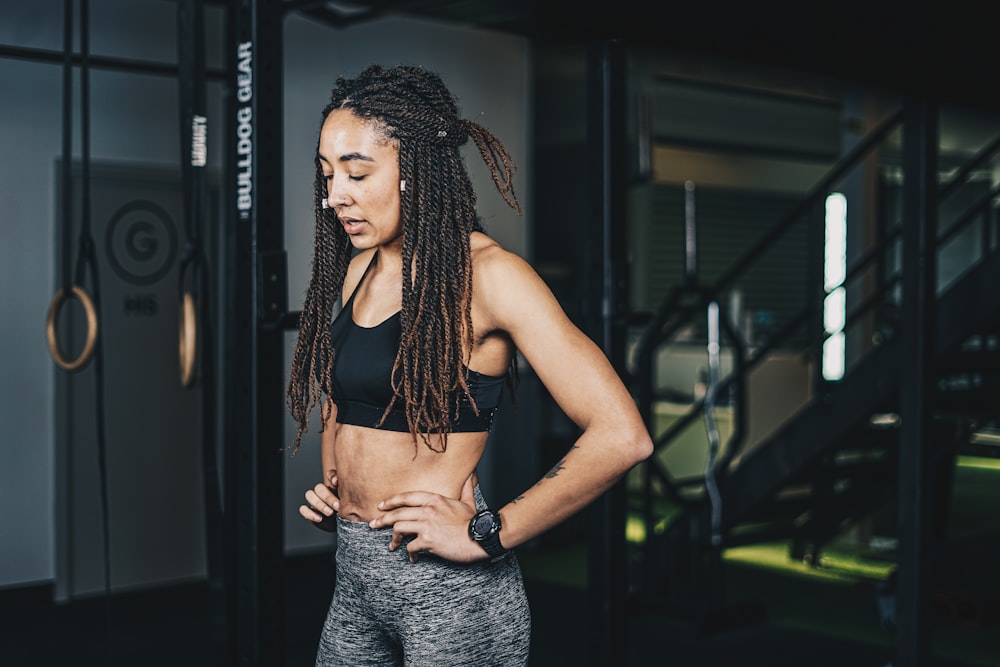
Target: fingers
x=321, y=503
x=324, y=503
x=408, y=499
x=322, y=521
x=417, y=545
x=309, y=513
x=407, y=522
x=402, y=515
x=400, y=531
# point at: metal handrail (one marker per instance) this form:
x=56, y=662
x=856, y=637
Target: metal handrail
x=655, y=334
x=816, y=194
x=672, y=317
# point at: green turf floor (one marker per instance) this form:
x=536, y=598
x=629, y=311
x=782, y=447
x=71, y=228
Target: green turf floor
x=837, y=595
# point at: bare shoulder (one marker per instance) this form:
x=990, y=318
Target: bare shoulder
x=494, y=266
x=507, y=286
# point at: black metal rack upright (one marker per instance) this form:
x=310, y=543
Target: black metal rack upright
x=608, y=285
x=255, y=365
x=920, y=146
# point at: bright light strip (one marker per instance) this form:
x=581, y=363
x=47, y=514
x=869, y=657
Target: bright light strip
x=833, y=356
x=834, y=272
x=835, y=242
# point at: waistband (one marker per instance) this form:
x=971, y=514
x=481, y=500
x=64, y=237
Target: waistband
x=357, y=413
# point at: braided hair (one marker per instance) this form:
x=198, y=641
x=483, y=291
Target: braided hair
x=412, y=107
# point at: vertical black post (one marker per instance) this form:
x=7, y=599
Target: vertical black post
x=606, y=143
x=815, y=291
x=690, y=236
x=255, y=363
x=920, y=145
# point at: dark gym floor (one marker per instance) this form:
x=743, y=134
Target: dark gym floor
x=171, y=627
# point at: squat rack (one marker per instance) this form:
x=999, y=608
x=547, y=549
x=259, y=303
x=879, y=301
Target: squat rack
x=254, y=240
x=255, y=361
x=256, y=282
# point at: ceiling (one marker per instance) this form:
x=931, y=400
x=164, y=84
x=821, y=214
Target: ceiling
x=941, y=48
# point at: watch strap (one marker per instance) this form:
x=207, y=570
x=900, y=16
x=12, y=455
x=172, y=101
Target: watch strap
x=491, y=544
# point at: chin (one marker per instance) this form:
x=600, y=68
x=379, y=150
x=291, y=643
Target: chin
x=360, y=242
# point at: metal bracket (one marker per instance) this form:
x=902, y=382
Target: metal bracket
x=272, y=276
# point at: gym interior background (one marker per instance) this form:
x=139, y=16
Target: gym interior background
x=825, y=180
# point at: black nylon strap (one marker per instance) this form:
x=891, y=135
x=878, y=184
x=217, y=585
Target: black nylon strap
x=194, y=158
x=85, y=252
x=66, y=211
x=86, y=267
x=193, y=132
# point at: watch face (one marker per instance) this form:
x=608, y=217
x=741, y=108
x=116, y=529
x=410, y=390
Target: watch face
x=484, y=524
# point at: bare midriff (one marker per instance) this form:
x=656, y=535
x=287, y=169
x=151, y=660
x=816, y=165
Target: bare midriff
x=374, y=465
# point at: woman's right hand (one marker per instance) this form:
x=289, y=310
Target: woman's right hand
x=322, y=504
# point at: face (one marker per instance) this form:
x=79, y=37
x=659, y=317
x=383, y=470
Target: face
x=361, y=170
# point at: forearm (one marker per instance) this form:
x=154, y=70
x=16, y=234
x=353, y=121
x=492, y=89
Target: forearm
x=328, y=457
x=592, y=465
x=321, y=500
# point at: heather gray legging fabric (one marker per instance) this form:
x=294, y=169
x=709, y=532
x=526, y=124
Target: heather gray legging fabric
x=388, y=611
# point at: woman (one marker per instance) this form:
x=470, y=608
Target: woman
x=409, y=374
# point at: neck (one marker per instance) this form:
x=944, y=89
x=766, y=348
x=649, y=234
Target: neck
x=390, y=255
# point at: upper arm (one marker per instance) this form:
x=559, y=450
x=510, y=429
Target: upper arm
x=574, y=370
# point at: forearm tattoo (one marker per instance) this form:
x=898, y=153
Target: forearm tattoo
x=557, y=468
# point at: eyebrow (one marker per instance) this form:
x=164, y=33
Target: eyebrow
x=347, y=157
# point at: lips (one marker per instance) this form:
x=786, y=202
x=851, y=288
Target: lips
x=351, y=225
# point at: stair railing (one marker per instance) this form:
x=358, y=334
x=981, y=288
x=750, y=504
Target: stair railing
x=675, y=314
x=684, y=305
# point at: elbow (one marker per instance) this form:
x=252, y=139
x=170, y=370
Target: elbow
x=640, y=446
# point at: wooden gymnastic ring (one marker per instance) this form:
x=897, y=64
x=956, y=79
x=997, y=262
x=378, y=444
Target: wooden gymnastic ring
x=188, y=337
x=53, y=318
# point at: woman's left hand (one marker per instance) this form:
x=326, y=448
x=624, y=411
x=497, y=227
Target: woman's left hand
x=439, y=525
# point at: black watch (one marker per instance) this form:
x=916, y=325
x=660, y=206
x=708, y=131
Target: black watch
x=484, y=528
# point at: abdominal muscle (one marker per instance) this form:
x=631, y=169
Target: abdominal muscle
x=374, y=465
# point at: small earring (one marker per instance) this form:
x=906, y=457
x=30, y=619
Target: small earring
x=325, y=203
x=402, y=185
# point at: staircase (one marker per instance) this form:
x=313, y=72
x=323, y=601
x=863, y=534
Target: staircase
x=836, y=460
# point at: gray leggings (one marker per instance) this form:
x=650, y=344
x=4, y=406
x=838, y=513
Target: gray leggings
x=388, y=611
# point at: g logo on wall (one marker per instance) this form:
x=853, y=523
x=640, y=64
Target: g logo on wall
x=141, y=242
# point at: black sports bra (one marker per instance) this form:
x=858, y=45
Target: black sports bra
x=362, y=372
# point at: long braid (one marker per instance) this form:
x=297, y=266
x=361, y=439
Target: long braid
x=313, y=356
x=438, y=212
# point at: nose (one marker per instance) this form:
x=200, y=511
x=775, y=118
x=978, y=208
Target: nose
x=335, y=195
x=335, y=199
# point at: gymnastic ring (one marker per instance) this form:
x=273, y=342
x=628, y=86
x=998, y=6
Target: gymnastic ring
x=53, y=318
x=188, y=331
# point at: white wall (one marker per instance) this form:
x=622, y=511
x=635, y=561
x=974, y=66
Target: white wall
x=134, y=121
